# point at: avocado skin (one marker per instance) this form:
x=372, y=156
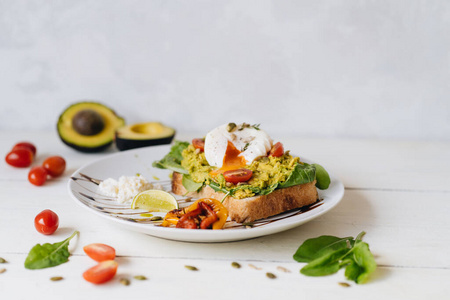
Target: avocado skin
x=87, y=149
x=127, y=144
x=100, y=142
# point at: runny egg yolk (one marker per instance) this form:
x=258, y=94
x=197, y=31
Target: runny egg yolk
x=231, y=160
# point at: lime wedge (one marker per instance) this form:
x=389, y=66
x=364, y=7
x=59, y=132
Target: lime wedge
x=154, y=200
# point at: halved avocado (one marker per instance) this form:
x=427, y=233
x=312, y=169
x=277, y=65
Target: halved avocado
x=88, y=126
x=143, y=135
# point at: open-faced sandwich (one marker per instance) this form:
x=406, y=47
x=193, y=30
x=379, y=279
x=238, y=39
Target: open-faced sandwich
x=240, y=166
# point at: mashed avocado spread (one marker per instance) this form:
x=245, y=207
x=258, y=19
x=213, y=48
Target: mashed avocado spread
x=267, y=171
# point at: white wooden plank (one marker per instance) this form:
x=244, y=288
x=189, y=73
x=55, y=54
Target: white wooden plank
x=372, y=164
x=169, y=278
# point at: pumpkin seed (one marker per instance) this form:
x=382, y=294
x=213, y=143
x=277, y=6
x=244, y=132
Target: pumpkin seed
x=235, y=265
x=283, y=269
x=231, y=127
x=344, y=284
x=2, y=260
x=157, y=218
x=140, y=277
x=271, y=275
x=124, y=281
x=2, y=270
x=56, y=278
x=192, y=268
x=254, y=267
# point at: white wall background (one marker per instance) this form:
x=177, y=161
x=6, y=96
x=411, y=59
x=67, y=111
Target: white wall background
x=378, y=69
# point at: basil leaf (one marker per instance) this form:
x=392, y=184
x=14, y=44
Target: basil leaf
x=326, y=264
x=172, y=160
x=316, y=247
x=189, y=184
x=322, y=177
x=302, y=173
x=362, y=263
x=49, y=255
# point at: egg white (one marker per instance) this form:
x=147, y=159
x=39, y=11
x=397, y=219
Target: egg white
x=252, y=143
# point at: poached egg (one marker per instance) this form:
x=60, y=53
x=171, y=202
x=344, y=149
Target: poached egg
x=231, y=146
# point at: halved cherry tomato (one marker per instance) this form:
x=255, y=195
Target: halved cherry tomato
x=37, y=175
x=277, y=150
x=199, y=144
x=100, y=252
x=46, y=222
x=21, y=158
x=26, y=145
x=102, y=272
x=55, y=165
x=239, y=175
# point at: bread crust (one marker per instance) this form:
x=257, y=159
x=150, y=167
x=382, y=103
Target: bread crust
x=257, y=207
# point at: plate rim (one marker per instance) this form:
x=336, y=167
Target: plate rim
x=208, y=236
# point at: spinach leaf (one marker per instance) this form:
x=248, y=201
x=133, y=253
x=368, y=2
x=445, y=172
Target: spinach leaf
x=326, y=264
x=316, y=247
x=362, y=263
x=190, y=185
x=49, y=255
x=172, y=160
x=302, y=173
x=327, y=254
x=322, y=177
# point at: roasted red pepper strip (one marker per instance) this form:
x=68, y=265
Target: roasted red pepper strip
x=211, y=216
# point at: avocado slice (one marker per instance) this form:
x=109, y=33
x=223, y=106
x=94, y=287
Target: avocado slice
x=88, y=126
x=143, y=135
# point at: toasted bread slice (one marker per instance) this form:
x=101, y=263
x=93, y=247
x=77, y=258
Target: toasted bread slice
x=257, y=207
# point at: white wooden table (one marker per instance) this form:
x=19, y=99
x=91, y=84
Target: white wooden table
x=398, y=192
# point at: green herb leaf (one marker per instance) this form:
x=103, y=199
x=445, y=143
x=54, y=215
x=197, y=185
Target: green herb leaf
x=302, y=173
x=327, y=254
x=189, y=184
x=49, y=255
x=326, y=264
x=314, y=248
x=172, y=160
x=362, y=263
x=322, y=177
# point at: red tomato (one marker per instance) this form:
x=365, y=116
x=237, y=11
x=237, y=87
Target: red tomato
x=46, y=222
x=239, y=175
x=100, y=252
x=55, y=165
x=102, y=272
x=21, y=158
x=199, y=144
x=37, y=175
x=26, y=145
x=277, y=150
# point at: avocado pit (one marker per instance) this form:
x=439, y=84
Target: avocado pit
x=88, y=122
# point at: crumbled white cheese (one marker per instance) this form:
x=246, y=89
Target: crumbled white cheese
x=126, y=187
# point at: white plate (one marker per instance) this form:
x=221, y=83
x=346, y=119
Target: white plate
x=84, y=190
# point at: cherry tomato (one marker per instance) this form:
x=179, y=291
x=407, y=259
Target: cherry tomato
x=46, y=222
x=100, y=252
x=199, y=144
x=37, y=175
x=21, y=158
x=239, y=175
x=26, y=145
x=55, y=165
x=102, y=272
x=277, y=150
